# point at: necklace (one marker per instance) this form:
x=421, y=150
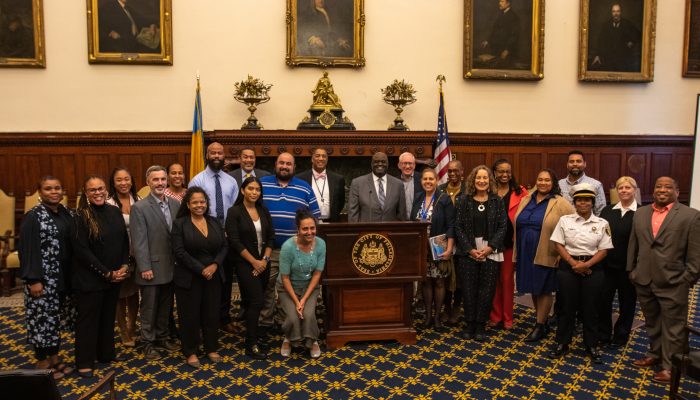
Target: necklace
x=320, y=190
x=304, y=255
x=425, y=208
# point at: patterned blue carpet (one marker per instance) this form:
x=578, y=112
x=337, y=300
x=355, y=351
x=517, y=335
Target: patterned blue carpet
x=439, y=366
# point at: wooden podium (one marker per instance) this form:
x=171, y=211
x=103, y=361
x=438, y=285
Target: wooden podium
x=368, y=279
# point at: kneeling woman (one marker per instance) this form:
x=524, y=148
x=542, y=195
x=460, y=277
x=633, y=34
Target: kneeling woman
x=582, y=240
x=302, y=258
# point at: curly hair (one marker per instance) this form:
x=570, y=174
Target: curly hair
x=184, y=211
x=512, y=183
x=471, y=178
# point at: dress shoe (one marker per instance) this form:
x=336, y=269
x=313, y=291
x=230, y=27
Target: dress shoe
x=150, y=353
x=646, y=362
x=315, y=350
x=663, y=376
x=86, y=374
x=166, y=345
x=559, y=351
x=538, y=333
x=437, y=325
x=286, y=348
x=594, y=355
x=480, y=333
x=255, y=353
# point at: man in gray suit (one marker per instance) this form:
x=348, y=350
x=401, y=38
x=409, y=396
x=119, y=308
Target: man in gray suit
x=150, y=222
x=247, y=167
x=377, y=197
x=663, y=262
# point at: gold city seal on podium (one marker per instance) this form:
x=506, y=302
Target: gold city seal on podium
x=372, y=253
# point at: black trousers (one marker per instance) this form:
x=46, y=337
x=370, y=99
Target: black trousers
x=225, y=302
x=253, y=296
x=616, y=280
x=94, y=328
x=582, y=294
x=478, y=281
x=198, y=311
x=42, y=353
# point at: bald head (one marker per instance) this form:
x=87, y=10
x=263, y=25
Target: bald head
x=215, y=156
x=284, y=167
x=380, y=163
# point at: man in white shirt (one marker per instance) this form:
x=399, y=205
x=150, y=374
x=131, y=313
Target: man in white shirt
x=328, y=187
x=377, y=197
x=410, y=179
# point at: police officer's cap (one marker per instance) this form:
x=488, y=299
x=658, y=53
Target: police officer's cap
x=582, y=190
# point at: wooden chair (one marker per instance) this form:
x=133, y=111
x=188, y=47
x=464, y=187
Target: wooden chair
x=143, y=192
x=39, y=384
x=8, y=256
x=684, y=364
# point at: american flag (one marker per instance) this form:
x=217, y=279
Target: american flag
x=442, y=154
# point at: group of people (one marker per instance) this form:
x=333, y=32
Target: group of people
x=121, y=257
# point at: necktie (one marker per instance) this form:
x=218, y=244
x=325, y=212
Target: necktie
x=219, y=200
x=381, y=195
x=247, y=175
x=166, y=213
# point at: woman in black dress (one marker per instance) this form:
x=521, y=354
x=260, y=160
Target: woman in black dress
x=101, y=247
x=481, y=229
x=200, y=248
x=251, y=236
x=619, y=216
x=44, y=259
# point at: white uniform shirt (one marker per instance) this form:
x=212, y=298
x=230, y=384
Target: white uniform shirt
x=319, y=183
x=582, y=237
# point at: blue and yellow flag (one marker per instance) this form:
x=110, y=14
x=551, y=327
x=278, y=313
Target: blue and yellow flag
x=197, y=148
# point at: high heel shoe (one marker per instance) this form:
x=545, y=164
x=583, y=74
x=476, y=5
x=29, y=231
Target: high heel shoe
x=538, y=333
x=255, y=353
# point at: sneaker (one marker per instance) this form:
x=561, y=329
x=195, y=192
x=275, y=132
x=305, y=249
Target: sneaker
x=315, y=350
x=286, y=349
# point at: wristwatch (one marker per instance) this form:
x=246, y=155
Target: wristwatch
x=266, y=258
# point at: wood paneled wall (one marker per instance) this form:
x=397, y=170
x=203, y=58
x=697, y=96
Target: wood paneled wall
x=25, y=157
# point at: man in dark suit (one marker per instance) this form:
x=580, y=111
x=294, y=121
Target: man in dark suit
x=328, y=186
x=150, y=223
x=618, y=44
x=119, y=26
x=663, y=262
x=411, y=180
x=247, y=168
x=503, y=40
x=377, y=197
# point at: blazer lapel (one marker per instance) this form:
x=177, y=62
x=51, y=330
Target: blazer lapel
x=373, y=190
x=156, y=210
x=668, y=220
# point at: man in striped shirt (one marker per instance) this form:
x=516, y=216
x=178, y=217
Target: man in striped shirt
x=283, y=195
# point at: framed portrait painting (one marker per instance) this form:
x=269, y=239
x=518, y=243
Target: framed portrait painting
x=325, y=33
x=22, y=33
x=616, y=41
x=691, y=43
x=504, y=39
x=130, y=31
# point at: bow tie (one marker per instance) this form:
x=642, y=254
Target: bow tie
x=320, y=176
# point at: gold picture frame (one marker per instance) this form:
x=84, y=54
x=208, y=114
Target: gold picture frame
x=691, y=42
x=137, y=33
x=330, y=36
x=22, y=34
x=504, y=40
x=621, y=51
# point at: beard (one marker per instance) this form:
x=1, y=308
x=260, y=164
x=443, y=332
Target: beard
x=284, y=176
x=215, y=165
x=575, y=172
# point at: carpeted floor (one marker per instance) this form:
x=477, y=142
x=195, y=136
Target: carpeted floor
x=439, y=366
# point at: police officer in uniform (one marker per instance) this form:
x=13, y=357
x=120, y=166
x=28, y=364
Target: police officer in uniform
x=582, y=240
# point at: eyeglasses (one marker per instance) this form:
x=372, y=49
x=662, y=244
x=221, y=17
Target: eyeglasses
x=96, y=190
